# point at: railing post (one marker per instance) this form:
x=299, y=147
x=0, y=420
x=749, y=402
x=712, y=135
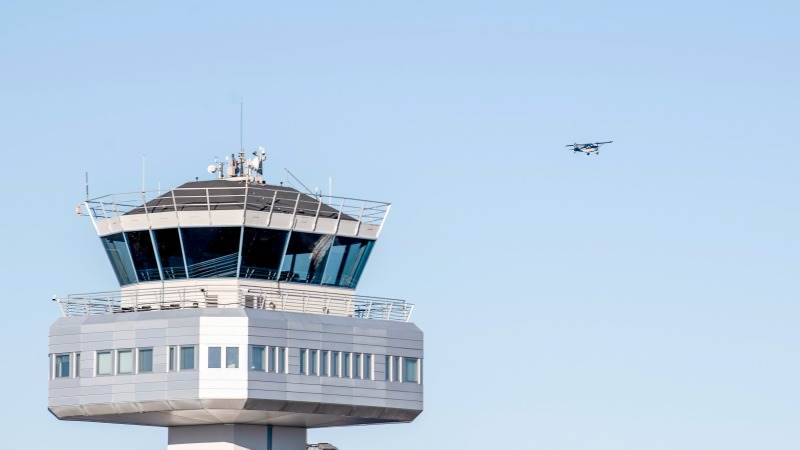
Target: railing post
x=360, y=218
x=316, y=215
x=294, y=213
x=272, y=206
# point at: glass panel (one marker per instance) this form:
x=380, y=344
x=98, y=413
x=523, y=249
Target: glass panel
x=257, y=357
x=346, y=261
x=125, y=361
x=396, y=368
x=305, y=257
x=214, y=357
x=271, y=360
x=187, y=358
x=303, y=361
x=313, y=363
x=335, y=364
x=325, y=365
x=105, y=364
x=356, y=365
x=173, y=357
x=77, y=365
x=346, y=364
x=211, y=252
x=232, y=357
x=144, y=258
x=387, y=367
x=261, y=253
x=120, y=258
x=62, y=366
x=282, y=360
x=368, y=366
x=410, y=370
x=168, y=242
x=145, y=360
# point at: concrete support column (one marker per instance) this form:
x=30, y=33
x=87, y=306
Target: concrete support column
x=236, y=437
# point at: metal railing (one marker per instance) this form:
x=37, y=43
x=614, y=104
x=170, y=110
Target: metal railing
x=254, y=297
x=250, y=197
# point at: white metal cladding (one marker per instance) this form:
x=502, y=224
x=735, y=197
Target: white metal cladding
x=203, y=396
x=235, y=295
x=236, y=204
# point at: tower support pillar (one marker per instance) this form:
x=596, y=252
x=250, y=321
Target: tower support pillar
x=236, y=437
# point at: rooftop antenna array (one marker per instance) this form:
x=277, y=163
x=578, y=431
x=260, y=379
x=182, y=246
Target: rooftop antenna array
x=241, y=168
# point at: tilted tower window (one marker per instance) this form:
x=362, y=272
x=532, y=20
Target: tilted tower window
x=144, y=257
x=305, y=257
x=211, y=251
x=168, y=244
x=346, y=261
x=120, y=258
x=261, y=253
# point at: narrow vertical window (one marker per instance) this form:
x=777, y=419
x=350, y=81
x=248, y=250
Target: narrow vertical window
x=326, y=363
x=368, y=366
x=272, y=359
x=105, y=363
x=62, y=366
x=283, y=357
x=396, y=368
x=145, y=360
x=214, y=357
x=387, y=368
x=77, y=365
x=346, y=373
x=313, y=363
x=303, y=363
x=187, y=357
x=232, y=357
x=335, y=364
x=410, y=370
x=257, y=361
x=357, y=365
x=125, y=362
x=173, y=359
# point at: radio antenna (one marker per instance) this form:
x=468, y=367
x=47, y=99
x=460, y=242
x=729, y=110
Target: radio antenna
x=241, y=125
x=298, y=180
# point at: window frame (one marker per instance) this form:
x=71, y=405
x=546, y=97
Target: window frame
x=118, y=361
x=112, y=365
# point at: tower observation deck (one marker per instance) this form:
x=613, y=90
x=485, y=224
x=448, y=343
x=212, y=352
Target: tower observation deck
x=236, y=324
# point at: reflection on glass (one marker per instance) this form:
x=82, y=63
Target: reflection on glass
x=120, y=258
x=168, y=243
x=104, y=363
x=62, y=366
x=211, y=252
x=305, y=257
x=125, y=361
x=187, y=358
x=257, y=357
x=145, y=360
x=144, y=258
x=261, y=253
x=410, y=370
x=346, y=261
x=232, y=357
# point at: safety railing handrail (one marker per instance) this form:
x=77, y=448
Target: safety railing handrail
x=242, y=296
x=272, y=199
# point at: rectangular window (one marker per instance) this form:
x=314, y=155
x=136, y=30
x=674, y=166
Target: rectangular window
x=346, y=261
x=395, y=368
x=143, y=255
x=62, y=366
x=305, y=257
x=357, y=365
x=77, y=365
x=145, y=360
x=214, y=357
x=335, y=364
x=168, y=243
x=346, y=373
x=105, y=363
x=173, y=359
x=262, y=250
x=387, y=368
x=257, y=357
x=303, y=363
x=125, y=362
x=211, y=251
x=120, y=257
x=282, y=358
x=313, y=361
x=410, y=370
x=232, y=357
x=325, y=363
x=187, y=358
x=272, y=360
x=368, y=366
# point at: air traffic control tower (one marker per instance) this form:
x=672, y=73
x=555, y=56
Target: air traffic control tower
x=237, y=324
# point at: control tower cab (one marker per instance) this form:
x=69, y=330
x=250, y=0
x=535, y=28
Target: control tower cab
x=237, y=324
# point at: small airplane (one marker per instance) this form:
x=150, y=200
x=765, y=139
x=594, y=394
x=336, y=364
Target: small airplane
x=592, y=148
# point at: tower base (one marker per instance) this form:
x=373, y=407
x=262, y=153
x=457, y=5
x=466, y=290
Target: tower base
x=236, y=437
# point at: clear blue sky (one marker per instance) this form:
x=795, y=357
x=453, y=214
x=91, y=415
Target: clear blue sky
x=643, y=299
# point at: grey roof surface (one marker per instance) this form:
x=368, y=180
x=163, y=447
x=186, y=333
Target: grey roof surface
x=229, y=195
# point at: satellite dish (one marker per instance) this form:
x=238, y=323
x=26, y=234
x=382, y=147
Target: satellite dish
x=212, y=168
